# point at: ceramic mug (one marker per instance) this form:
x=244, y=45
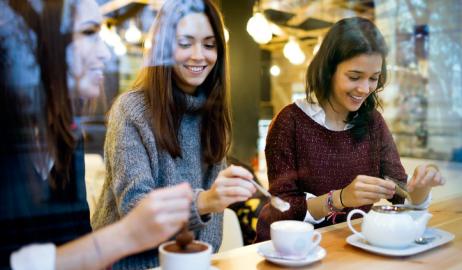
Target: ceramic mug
x=293, y=238
x=191, y=261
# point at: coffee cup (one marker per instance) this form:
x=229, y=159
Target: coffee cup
x=196, y=256
x=293, y=238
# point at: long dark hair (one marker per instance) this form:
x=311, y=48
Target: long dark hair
x=168, y=108
x=50, y=54
x=346, y=39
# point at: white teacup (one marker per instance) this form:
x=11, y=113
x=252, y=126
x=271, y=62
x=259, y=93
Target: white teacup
x=192, y=261
x=293, y=238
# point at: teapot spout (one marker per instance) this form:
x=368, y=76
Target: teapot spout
x=423, y=219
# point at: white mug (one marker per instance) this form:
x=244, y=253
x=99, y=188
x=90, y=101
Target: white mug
x=293, y=238
x=190, y=261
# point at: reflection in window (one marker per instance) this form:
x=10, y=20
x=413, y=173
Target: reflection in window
x=423, y=100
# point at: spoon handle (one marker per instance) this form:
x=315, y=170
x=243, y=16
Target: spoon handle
x=260, y=188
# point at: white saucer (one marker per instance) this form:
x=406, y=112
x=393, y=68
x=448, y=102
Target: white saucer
x=441, y=238
x=211, y=268
x=267, y=250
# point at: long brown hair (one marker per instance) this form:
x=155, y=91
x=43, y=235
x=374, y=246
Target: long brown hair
x=346, y=39
x=51, y=58
x=167, y=110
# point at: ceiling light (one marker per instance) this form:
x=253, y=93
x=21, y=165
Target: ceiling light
x=226, y=32
x=293, y=52
x=275, y=70
x=147, y=44
x=259, y=28
x=120, y=49
x=133, y=34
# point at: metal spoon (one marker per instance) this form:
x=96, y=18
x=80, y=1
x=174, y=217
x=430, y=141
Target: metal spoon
x=424, y=240
x=277, y=202
x=184, y=238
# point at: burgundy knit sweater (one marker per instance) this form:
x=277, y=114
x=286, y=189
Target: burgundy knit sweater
x=303, y=156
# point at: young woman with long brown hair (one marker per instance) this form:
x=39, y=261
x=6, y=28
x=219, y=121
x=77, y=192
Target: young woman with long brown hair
x=330, y=152
x=50, y=54
x=175, y=126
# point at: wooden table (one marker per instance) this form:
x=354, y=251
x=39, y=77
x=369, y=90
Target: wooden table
x=447, y=215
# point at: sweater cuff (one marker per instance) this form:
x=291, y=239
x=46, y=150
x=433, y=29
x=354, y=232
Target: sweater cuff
x=308, y=217
x=196, y=221
x=34, y=257
x=424, y=205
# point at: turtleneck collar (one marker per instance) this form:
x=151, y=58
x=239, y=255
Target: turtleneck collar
x=193, y=102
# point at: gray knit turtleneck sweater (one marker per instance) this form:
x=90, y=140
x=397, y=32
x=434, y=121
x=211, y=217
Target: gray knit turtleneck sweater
x=134, y=167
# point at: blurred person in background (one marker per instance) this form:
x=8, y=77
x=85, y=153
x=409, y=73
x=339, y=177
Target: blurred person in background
x=175, y=126
x=50, y=56
x=329, y=153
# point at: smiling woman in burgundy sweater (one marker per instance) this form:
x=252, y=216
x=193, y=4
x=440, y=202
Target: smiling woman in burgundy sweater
x=329, y=153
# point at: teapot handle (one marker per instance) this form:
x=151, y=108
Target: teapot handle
x=355, y=211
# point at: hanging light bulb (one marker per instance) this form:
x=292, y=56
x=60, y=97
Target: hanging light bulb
x=276, y=30
x=259, y=28
x=275, y=70
x=120, y=49
x=110, y=36
x=133, y=34
x=293, y=52
x=105, y=33
x=226, y=32
x=148, y=44
x=317, y=46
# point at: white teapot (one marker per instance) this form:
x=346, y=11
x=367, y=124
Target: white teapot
x=391, y=226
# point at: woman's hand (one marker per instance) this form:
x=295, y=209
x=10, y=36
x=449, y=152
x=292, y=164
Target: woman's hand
x=424, y=178
x=229, y=187
x=366, y=190
x=158, y=216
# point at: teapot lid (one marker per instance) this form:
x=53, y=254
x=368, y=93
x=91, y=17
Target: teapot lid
x=393, y=209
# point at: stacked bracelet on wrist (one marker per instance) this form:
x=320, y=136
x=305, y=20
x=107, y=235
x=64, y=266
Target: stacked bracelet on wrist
x=333, y=211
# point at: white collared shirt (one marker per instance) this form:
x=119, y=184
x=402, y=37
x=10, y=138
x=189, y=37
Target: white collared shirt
x=317, y=113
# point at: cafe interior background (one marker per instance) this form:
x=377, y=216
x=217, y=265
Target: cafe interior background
x=271, y=43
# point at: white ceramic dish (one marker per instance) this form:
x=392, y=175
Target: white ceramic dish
x=441, y=238
x=211, y=268
x=267, y=250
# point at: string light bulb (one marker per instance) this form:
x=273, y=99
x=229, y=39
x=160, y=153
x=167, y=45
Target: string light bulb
x=293, y=52
x=133, y=34
x=259, y=28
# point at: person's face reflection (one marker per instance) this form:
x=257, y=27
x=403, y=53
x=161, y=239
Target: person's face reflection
x=87, y=54
x=195, y=53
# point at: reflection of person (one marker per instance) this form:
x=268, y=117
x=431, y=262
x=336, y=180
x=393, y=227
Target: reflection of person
x=175, y=127
x=42, y=193
x=330, y=152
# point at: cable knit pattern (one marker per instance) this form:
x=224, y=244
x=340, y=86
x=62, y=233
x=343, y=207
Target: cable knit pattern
x=303, y=156
x=134, y=167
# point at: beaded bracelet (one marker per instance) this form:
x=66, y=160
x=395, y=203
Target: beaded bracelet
x=333, y=211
